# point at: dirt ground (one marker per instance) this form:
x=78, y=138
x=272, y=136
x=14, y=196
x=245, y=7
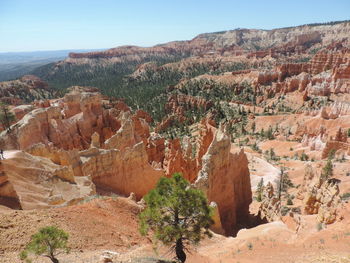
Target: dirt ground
x=110, y=225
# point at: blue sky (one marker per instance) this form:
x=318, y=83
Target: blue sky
x=27, y=25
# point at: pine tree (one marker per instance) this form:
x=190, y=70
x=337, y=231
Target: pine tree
x=48, y=242
x=6, y=117
x=259, y=190
x=269, y=134
x=327, y=170
x=253, y=127
x=283, y=183
x=262, y=133
x=177, y=214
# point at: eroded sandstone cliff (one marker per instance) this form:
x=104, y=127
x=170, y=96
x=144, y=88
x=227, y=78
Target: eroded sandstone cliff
x=80, y=143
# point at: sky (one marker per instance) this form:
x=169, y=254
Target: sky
x=31, y=25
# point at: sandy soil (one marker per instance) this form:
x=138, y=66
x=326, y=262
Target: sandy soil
x=112, y=225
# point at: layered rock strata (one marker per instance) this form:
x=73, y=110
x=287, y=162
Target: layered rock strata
x=86, y=144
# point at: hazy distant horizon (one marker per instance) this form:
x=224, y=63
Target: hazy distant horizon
x=38, y=25
x=53, y=50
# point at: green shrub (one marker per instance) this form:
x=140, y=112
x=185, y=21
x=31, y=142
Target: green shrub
x=345, y=196
x=48, y=242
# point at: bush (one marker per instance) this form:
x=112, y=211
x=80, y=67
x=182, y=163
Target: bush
x=331, y=154
x=345, y=197
x=284, y=210
x=304, y=157
x=255, y=147
x=319, y=226
x=250, y=246
x=269, y=134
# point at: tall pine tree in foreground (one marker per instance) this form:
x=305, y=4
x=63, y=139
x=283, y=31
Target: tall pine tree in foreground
x=177, y=214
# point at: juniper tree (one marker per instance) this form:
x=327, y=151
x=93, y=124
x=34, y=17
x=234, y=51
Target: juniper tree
x=48, y=242
x=177, y=214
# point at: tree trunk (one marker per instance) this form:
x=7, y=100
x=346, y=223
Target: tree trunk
x=7, y=121
x=54, y=260
x=179, y=249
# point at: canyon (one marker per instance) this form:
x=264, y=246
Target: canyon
x=258, y=120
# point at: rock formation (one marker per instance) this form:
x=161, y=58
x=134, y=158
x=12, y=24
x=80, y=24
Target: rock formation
x=237, y=42
x=270, y=208
x=77, y=140
x=24, y=90
x=322, y=198
x=279, y=99
x=309, y=175
x=224, y=178
x=337, y=144
x=36, y=182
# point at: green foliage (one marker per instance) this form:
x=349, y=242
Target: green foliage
x=302, y=60
x=331, y=23
x=269, y=134
x=259, y=190
x=319, y=226
x=250, y=246
x=345, y=196
x=253, y=127
x=176, y=213
x=255, y=147
x=271, y=155
x=327, y=170
x=6, y=117
x=146, y=91
x=296, y=156
x=215, y=91
x=331, y=154
x=150, y=88
x=304, y=157
x=284, y=183
x=314, y=51
x=289, y=201
x=49, y=242
x=285, y=210
x=262, y=133
x=283, y=108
